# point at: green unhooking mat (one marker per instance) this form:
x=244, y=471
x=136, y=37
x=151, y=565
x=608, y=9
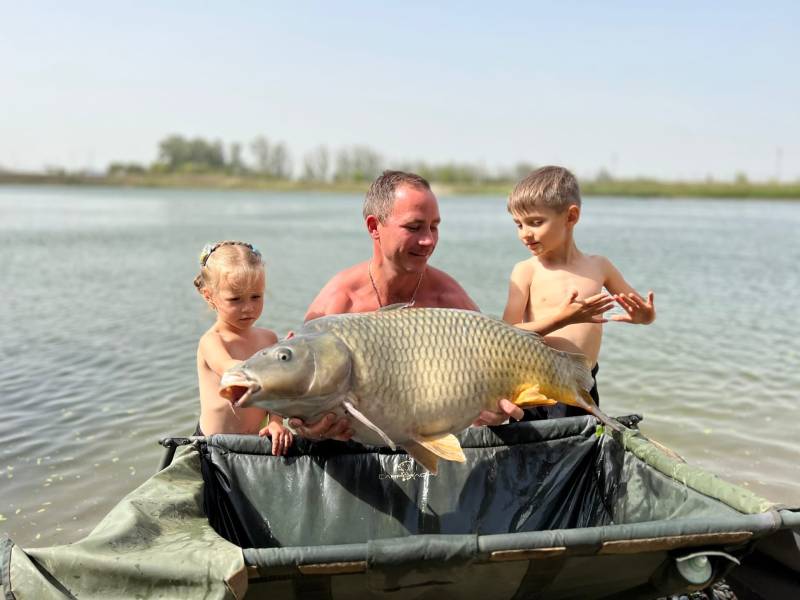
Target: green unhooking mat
x=548, y=509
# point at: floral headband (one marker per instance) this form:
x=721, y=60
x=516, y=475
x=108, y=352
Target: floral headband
x=209, y=248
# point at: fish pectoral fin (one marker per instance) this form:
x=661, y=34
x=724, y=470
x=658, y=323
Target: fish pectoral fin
x=423, y=456
x=396, y=306
x=359, y=416
x=529, y=395
x=446, y=447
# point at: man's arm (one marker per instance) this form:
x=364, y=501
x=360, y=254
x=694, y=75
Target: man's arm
x=637, y=309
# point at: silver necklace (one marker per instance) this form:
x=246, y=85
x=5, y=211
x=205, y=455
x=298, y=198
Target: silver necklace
x=378, y=295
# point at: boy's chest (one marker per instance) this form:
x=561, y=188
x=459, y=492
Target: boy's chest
x=549, y=287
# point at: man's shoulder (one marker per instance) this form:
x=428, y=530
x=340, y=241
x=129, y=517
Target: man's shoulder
x=333, y=303
x=336, y=296
x=350, y=276
x=449, y=293
x=440, y=279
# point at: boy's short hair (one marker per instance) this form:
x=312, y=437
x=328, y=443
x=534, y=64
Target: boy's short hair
x=380, y=195
x=552, y=187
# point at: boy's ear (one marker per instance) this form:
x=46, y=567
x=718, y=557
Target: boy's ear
x=573, y=214
x=372, y=226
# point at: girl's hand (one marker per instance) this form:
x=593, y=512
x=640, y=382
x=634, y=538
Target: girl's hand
x=589, y=310
x=281, y=437
x=637, y=309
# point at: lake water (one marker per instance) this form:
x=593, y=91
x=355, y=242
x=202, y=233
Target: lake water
x=100, y=323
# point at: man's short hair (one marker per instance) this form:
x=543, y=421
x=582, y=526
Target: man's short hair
x=552, y=187
x=380, y=195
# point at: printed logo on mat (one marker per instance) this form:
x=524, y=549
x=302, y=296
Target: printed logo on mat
x=404, y=471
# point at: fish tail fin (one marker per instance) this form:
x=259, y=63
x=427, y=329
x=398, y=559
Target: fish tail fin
x=588, y=404
x=583, y=399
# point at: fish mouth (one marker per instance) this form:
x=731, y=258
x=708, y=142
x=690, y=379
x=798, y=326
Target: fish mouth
x=237, y=387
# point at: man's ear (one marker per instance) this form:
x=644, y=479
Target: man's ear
x=372, y=226
x=573, y=214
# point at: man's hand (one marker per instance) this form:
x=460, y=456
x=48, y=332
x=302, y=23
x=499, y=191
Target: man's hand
x=506, y=409
x=588, y=310
x=328, y=427
x=637, y=309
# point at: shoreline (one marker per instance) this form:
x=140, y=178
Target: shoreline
x=619, y=188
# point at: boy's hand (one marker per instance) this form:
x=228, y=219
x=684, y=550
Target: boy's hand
x=506, y=409
x=637, y=309
x=589, y=310
x=281, y=437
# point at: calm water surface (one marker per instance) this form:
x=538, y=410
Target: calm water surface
x=100, y=324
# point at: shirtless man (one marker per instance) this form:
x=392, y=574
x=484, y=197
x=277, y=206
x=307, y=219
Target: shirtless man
x=402, y=218
x=558, y=291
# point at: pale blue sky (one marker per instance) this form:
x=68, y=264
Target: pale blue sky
x=670, y=89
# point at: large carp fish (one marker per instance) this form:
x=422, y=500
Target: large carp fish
x=408, y=377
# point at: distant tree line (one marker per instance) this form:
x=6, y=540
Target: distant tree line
x=265, y=158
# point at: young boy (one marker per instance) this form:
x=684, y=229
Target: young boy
x=558, y=292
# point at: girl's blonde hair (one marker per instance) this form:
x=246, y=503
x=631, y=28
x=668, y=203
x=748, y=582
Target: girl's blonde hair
x=238, y=262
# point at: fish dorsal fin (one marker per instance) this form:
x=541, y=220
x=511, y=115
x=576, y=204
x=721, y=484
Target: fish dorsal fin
x=528, y=395
x=395, y=306
x=363, y=419
x=446, y=447
x=423, y=456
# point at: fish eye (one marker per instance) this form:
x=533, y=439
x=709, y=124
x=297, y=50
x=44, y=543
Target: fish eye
x=284, y=354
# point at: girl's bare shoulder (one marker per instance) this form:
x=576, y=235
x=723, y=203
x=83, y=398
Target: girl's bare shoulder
x=264, y=337
x=212, y=336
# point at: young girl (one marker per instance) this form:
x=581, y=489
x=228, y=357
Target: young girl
x=232, y=281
